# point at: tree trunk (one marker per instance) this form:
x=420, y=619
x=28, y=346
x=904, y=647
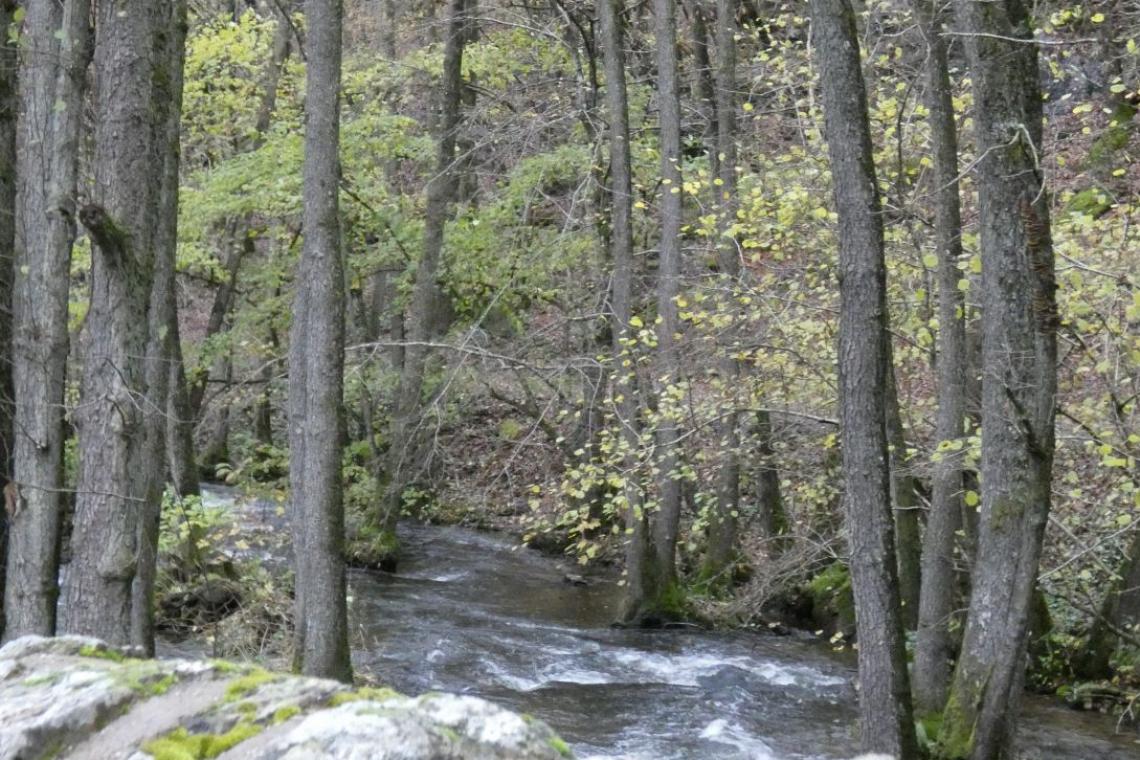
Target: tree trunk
x=1119, y=610
x=216, y=321
x=179, y=423
x=624, y=385
x=884, y=696
x=934, y=650
x=403, y=453
x=52, y=82
x=1019, y=381
x=8, y=110
x=723, y=521
x=667, y=366
x=112, y=488
x=316, y=371
x=904, y=500
x=163, y=313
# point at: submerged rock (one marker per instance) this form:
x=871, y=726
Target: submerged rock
x=76, y=698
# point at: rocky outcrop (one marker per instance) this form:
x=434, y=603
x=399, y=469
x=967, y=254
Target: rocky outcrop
x=77, y=698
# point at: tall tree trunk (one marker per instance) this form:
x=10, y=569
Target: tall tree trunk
x=1019, y=379
x=624, y=385
x=667, y=367
x=52, y=81
x=403, y=453
x=884, y=695
x=934, y=649
x=163, y=313
x=9, y=107
x=113, y=485
x=316, y=370
x=723, y=522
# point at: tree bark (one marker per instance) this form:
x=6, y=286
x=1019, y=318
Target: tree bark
x=667, y=367
x=403, y=453
x=723, y=521
x=9, y=107
x=934, y=649
x=884, y=697
x=1019, y=379
x=904, y=501
x=113, y=484
x=180, y=423
x=163, y=313
x=624, y=385
x=52, y=81
x=316, y=370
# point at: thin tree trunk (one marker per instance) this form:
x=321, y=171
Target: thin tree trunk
x=168, y=101
x=667, y=366
x=884, y=696
x=934, y=649
x=723, y=521
x=316, y=371
x=52, y=82
x=216, y=321
x=904, y=499
x=9, y=107
x=179, y=422
x=403, y=453
x=703, y=87
x=1019, y=381
x=113, y=484
x=624, y=385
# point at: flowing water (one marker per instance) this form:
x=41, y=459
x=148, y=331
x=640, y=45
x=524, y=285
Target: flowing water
x=471, y=612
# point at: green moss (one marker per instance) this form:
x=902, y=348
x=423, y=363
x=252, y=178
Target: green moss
x=955, y=732
x=50, y=678
x=223, y=666
x=246, y=708
x=1091, y=201
x=145, y=678
x=101, y=653
x=162, y=686
x=1115, y=138
x=285, y=713
x=673, y=600
x=832, y=597
x=560, y=746
x=369, y=693
x=248, y=683
x=373, y=547
x=182, y=745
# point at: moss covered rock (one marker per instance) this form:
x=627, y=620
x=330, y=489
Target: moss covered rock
x=77, y=698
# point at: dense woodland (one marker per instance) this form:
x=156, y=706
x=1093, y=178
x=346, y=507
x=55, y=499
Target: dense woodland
x=821, y=315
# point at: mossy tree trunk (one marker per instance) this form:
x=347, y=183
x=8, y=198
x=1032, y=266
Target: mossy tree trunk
x=886, y=724
x=1019, y=379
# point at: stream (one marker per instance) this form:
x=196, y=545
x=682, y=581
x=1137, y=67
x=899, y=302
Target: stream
x=471, y=612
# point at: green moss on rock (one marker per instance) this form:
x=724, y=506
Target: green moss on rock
x=180, y=744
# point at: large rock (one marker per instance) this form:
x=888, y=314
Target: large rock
x=77, y=698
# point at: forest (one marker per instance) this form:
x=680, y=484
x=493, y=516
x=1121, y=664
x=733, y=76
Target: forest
x=807, y=320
